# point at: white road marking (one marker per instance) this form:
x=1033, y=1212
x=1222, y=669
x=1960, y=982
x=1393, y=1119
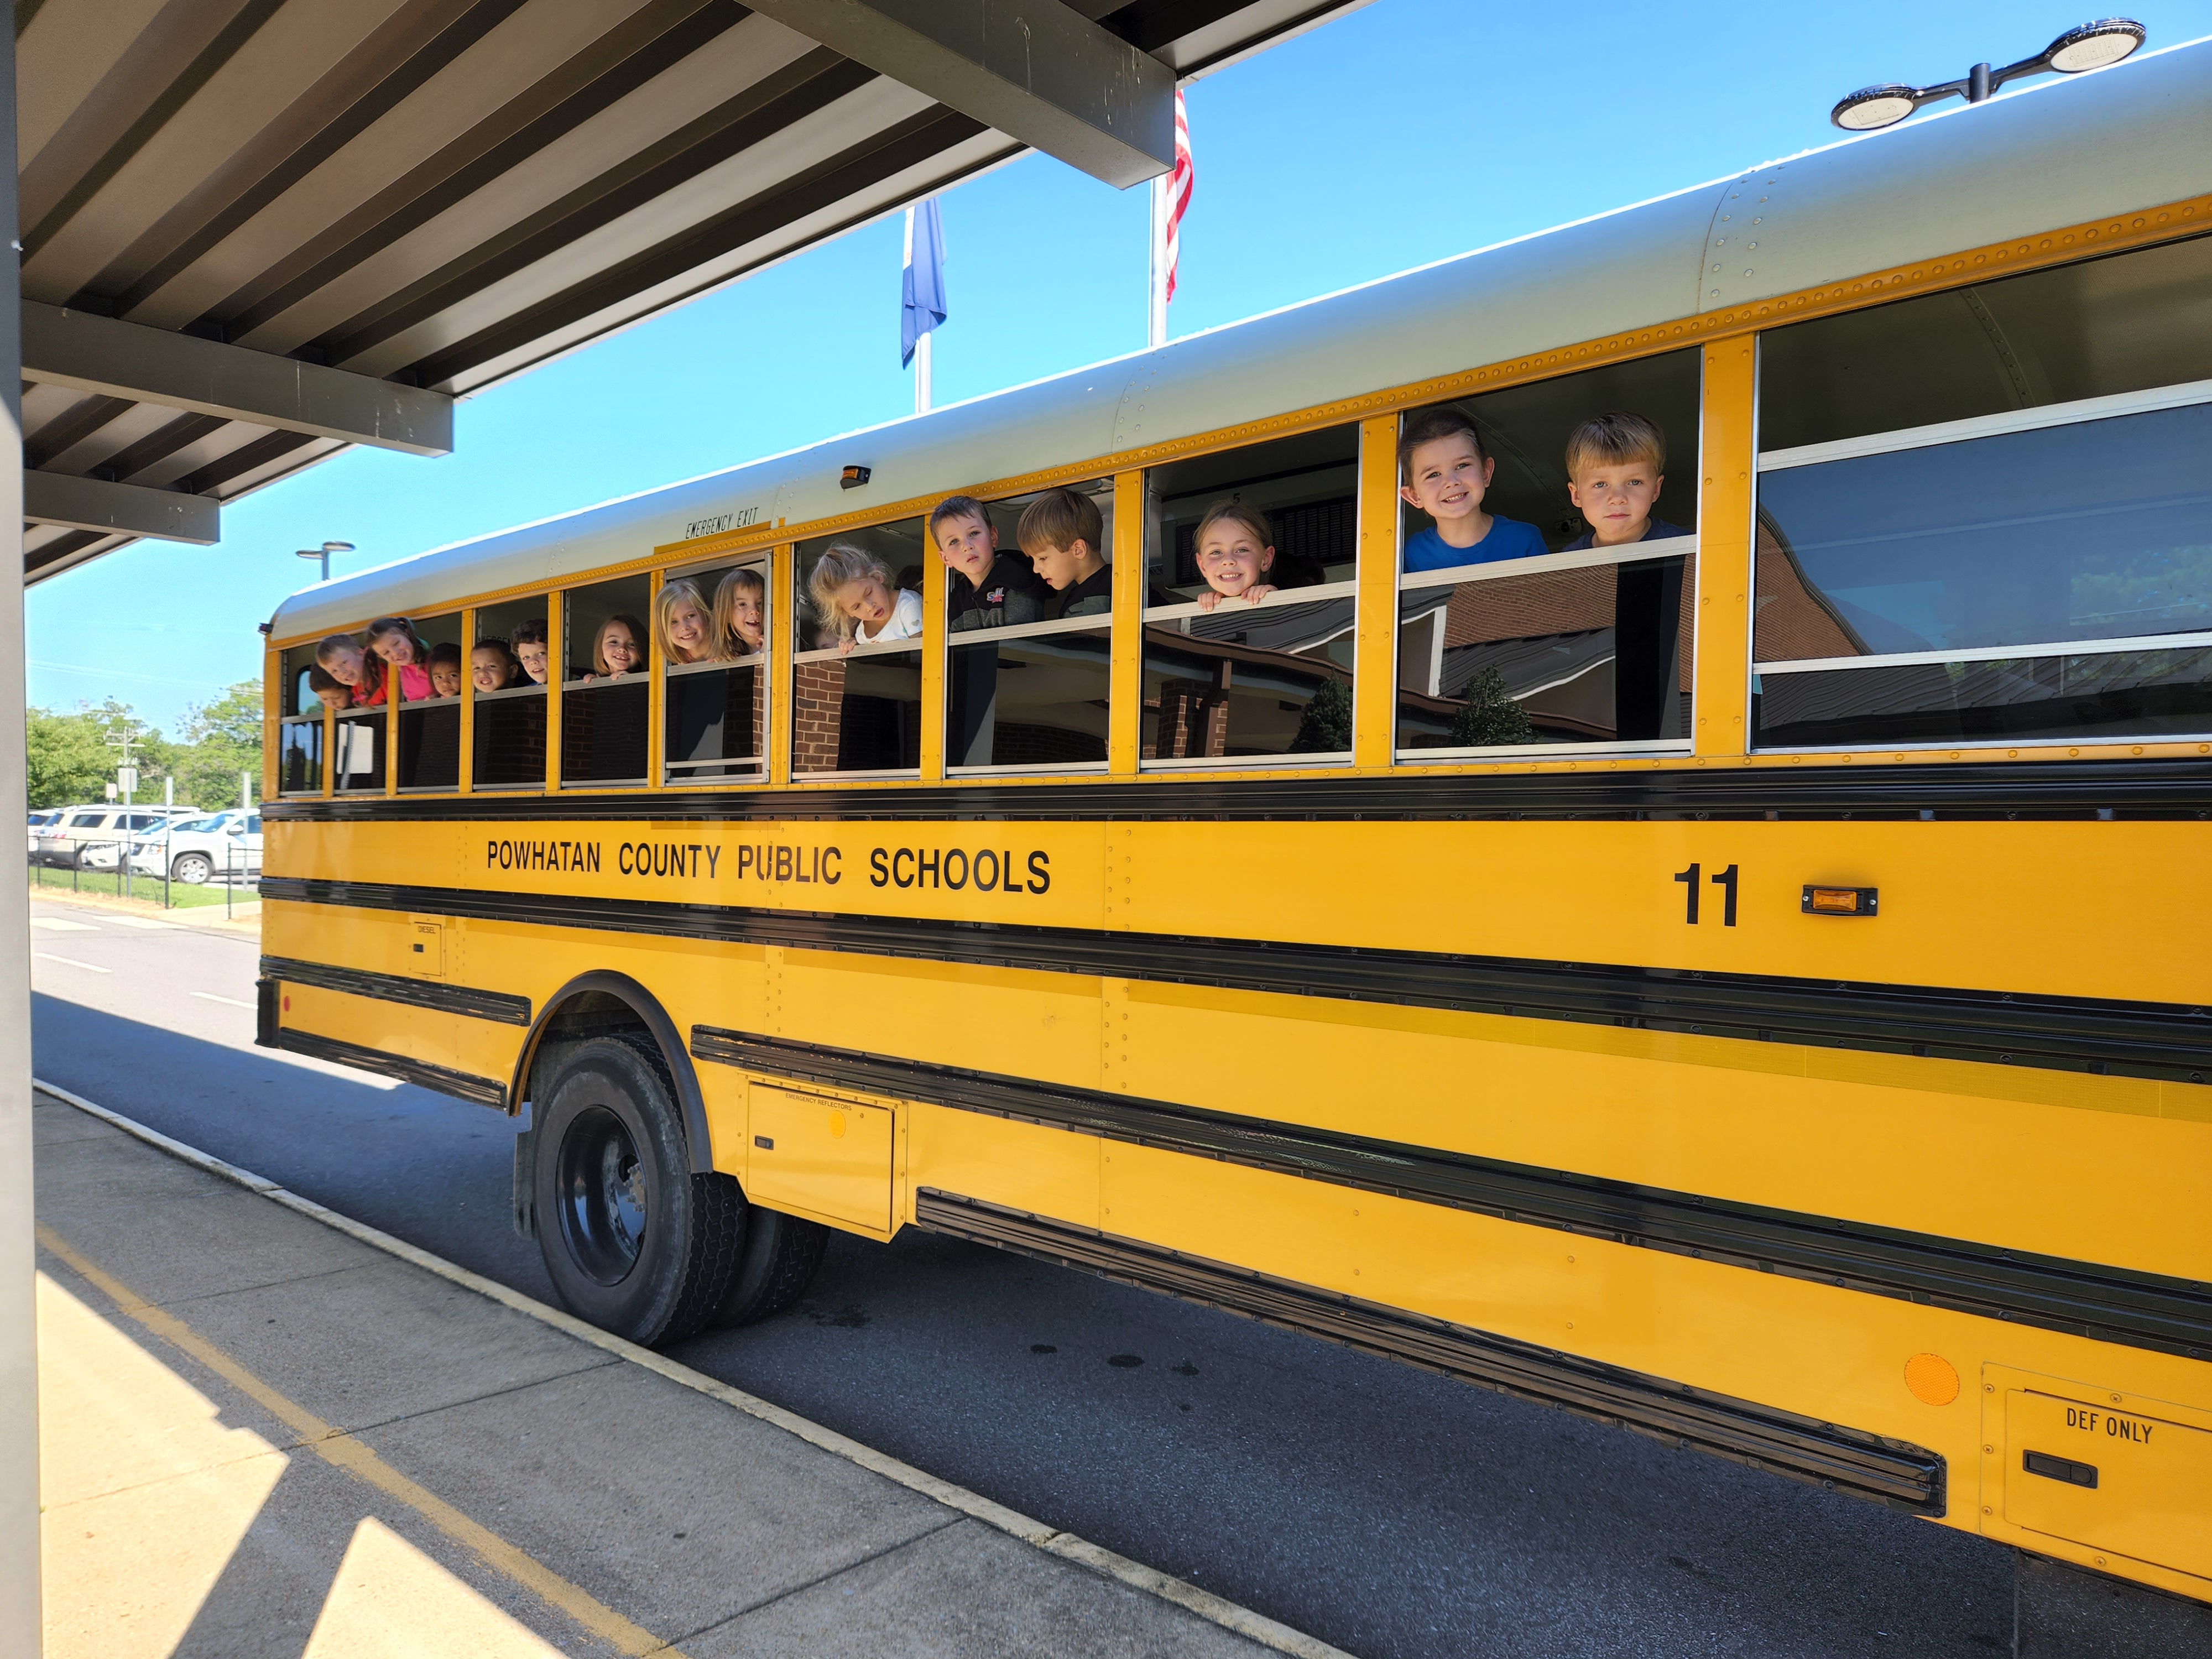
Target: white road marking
x=56, y=925
x=71, y=961
x=209, y=996
x=146, y=921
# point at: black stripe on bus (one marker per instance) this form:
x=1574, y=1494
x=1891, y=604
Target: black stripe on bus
x=2165, y=1041
x=1974, y=790
x=2105, y=1304
x=500, y=1006
x=465, y=1086
x=1889, y=1472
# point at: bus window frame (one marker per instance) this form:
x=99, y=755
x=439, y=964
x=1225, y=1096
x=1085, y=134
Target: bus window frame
x=936, y=625
x=472, y=629
x=1093, y=623
x=557, y=643
x=915, y=645
x=401, y=707
x=763, y=661
x=1350, y=587
x=322, y=765
x=281, y=681
x=1589, y=558
x=1281, y=599
x=2040, y=418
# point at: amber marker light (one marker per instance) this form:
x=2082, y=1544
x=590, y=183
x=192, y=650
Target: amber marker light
x=2091, y=46
x=1840, y=900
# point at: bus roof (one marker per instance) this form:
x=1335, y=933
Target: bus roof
x=2137, y=135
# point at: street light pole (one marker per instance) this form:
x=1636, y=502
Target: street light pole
x=323, y=553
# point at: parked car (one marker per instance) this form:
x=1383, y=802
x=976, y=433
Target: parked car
x=200, y=849
x=39, y=820
x=77, y=827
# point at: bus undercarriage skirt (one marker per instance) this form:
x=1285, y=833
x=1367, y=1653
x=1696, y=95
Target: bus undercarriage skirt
x=1889, y=1472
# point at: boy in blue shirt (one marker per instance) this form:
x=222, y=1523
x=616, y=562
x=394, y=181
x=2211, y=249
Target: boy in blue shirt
x=1444, y=470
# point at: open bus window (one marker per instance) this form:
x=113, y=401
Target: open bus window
x=1251, y=561
x=606, y=682
x=712, y=625
x=856, y=672
x=1537, y=609
x=510, y=703
x=300, y=726
x=430, y=731
x=2008, y=543
x=1029, y=664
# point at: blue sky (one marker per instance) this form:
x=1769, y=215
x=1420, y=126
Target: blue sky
x=1409, y=132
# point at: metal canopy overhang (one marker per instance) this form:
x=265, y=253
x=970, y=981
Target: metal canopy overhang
x=256, y=231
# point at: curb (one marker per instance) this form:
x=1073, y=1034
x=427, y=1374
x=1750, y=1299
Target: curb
x=1066, y=1545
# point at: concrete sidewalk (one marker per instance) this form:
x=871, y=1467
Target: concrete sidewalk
x=266, y=1433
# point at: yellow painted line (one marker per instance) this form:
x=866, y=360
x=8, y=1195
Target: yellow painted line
x=341, y=1450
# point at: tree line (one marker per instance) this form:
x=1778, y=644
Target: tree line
x=73, y=755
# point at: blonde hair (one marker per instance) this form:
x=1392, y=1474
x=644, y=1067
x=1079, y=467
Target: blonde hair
x=664, y=605
x=637, y=638
x=842, y=564
x=728, y=641
x=1615, y=439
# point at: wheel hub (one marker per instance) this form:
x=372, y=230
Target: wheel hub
x=603, y=1195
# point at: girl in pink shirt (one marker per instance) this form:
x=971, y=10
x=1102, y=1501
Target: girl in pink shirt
x=394, y=639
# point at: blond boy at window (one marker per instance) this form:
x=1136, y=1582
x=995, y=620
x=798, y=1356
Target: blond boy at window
x=1616, y=464
x=1060, y=531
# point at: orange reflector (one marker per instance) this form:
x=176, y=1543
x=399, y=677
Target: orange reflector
x=1839, y=901
x=1932, y=1378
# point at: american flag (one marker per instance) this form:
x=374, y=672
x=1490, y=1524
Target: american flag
x=1178, y=191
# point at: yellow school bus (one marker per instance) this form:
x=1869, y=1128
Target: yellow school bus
x=1747, y=984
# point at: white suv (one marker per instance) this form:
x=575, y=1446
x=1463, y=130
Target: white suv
x=77, y=831
x=200, y=849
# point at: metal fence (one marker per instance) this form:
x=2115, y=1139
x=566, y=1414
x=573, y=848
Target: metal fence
x=149, y=865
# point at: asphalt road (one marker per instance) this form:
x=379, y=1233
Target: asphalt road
x=1394, y=1514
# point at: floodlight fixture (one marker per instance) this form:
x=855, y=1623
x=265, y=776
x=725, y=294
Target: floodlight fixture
x=2091, y=46
x=323, y=553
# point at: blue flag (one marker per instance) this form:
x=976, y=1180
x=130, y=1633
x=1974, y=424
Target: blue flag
x=921, y=287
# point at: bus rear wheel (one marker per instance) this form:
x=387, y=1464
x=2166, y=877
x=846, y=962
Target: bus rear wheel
x=633, y=1240
x=781, y=1257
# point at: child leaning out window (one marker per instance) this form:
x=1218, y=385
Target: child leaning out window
x=853, y=592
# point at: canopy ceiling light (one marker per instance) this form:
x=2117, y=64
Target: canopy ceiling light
x=2092, y=45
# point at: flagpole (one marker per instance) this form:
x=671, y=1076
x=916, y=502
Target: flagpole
x=1156, y=305
x=921, y=374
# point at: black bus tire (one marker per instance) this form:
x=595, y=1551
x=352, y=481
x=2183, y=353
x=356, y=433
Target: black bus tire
x=634, y=1242
x=781, y=1257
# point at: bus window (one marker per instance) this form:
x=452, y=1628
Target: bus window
x=510, y=702
x=2006, y=542
x=856, y=674
x=1229, y=678
x=605, y=682
x=299, y=727
x=1025, y=684
x=712, y=625
x=430, y=732
x=1526, y=621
